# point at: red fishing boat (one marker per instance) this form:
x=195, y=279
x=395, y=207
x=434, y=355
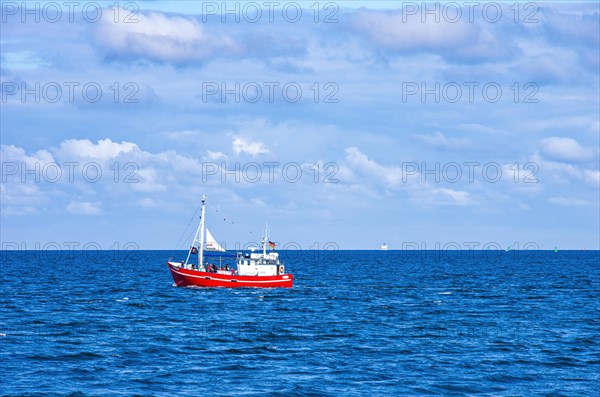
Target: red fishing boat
x=254, y=269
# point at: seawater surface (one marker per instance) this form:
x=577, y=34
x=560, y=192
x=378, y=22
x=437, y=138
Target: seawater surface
x=355, y=323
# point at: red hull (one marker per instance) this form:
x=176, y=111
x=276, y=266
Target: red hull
x=189, y=278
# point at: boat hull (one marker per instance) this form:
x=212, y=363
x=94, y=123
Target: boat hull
x=194, y=278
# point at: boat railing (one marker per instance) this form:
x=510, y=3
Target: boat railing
x=259, y=261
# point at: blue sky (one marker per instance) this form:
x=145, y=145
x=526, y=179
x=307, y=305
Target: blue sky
x=467, y=125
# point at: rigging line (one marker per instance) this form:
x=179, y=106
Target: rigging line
x=187, y=227
x=189, y=237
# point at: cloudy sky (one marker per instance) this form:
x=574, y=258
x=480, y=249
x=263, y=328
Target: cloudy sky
x=350, y=123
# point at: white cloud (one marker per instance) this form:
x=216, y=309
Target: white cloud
x=173, y=160
x=22, y=176
x=567, y=122
x=478, y=128
x=451, y=196
x=577, y=25
x=564, y=149
x=185, y=134
x=158, y=37
x=12, y=153
x=17, y=211
x=440, y=141
x=549, y=67
x=561, y=172
x=122, y=170
x=258, y=202
x=241, y=145
x=391, y=177
x=104, y=150
x=24, y=60
x=398, y=31
x=214, y=156
x=18, y=193
x=84, y=208
x=592, y=178
x=369, y=177
x=362, y=164
x=427, y=196
x=522, y=177
x=120, y=167
x=147, y=202
x=393, y=30
x=147, y=181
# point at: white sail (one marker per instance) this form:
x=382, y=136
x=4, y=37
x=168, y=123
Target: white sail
x=211, y=243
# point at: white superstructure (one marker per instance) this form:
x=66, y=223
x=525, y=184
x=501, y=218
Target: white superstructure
x=259, y=264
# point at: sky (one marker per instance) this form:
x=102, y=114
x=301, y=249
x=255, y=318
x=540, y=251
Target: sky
x=341, y=125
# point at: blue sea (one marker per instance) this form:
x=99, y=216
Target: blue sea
x=356, y=323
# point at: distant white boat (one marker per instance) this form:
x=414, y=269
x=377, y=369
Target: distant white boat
x=384, y=247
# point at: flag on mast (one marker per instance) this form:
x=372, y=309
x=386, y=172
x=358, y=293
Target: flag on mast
x=272, y=245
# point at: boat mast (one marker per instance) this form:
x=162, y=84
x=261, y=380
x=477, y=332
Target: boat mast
x=265, y=240
x=201, y=247
x=187, y=259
